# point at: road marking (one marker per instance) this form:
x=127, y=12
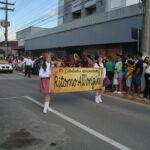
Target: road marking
x=83, y=127
x=12, y=97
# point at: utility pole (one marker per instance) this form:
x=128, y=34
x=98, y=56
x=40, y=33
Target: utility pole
x=5, y=23
x=146, y=29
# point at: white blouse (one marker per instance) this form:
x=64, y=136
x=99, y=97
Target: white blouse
x=147, y=69
x=101, y=66
x=45, y=74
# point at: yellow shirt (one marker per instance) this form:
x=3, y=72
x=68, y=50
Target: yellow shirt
x=129, y=73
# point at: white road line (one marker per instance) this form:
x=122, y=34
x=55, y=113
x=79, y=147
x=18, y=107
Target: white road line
x=12, y=97
x=83, y=127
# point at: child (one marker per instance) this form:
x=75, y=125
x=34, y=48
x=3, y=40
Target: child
x=129, y=76
x=115, y=81
x=98, y=93
x=45, y=74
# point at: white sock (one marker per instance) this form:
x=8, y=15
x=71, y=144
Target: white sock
x=100, y=98
x=46, y=106
x=96, y=99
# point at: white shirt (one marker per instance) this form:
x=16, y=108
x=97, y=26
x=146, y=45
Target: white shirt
x=101, y=66
x=147, y=69
x=28, y=62
x=47, y=72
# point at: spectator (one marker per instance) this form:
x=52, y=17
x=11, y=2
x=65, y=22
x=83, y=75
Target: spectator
x=147, y=80
x=109, y=70
x=90, y=62
x=115, y=81
x=28, y=66
x=136, y=82
x=120, y=66
x=129, y=76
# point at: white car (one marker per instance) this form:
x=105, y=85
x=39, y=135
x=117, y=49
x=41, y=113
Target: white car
x=5, y=66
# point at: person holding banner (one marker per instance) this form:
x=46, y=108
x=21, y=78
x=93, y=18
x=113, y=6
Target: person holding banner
x=99, y=64
x=45, y=75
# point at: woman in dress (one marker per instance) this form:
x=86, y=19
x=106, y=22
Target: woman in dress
x=99, y=64
x=45, y=75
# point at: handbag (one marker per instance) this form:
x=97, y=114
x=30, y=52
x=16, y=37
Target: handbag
x=106, y=82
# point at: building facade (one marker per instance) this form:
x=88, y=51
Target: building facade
x=106, y=31
x=75, y=9
x=70, y=10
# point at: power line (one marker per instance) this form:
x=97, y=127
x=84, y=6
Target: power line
x=38, y=20
x=65, y=10
x=30, y=23
x=42, y=20
x=30, y=13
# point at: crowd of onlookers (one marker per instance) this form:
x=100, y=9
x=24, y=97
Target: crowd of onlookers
x=127, y=74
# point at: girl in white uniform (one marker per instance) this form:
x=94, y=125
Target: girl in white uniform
x=45, y=75
x=99, y=64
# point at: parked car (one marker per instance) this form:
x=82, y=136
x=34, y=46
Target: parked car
x=5, y=66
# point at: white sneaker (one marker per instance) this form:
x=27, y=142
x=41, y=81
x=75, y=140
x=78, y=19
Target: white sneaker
x=45, y=110
x=145, y=99
x=96, y=99
x=115, y=92
x=50, y=109
x=100, y=99
x=119, y=92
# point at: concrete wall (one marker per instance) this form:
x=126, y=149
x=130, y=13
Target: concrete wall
x=23, y=34
x=116, y=31
x=118, y=14
x=101, y=6
x=61, y=12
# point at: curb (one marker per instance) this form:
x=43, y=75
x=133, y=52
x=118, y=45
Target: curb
x=129, y=98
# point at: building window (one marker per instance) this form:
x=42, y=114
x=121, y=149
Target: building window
x=76, y=15
x=129, y=2
x=90, y=11
x=114, y=4
x=101, y=2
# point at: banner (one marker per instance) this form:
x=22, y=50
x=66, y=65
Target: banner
x=76, y=79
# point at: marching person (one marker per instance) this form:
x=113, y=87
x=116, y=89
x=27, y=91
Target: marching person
x=99, y=64
x=28, y=66
x=45, y=75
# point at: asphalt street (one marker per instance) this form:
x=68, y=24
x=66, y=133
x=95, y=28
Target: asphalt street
x=77, y=123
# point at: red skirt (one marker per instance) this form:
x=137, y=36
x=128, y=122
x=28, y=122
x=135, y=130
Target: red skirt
x=45, y=85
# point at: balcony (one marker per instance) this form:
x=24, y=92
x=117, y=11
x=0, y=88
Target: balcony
x=76, y=6
x=89, y=3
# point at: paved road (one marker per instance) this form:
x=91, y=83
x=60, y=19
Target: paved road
x=76, y=122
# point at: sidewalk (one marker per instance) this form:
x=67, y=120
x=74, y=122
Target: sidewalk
x=131, y=98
